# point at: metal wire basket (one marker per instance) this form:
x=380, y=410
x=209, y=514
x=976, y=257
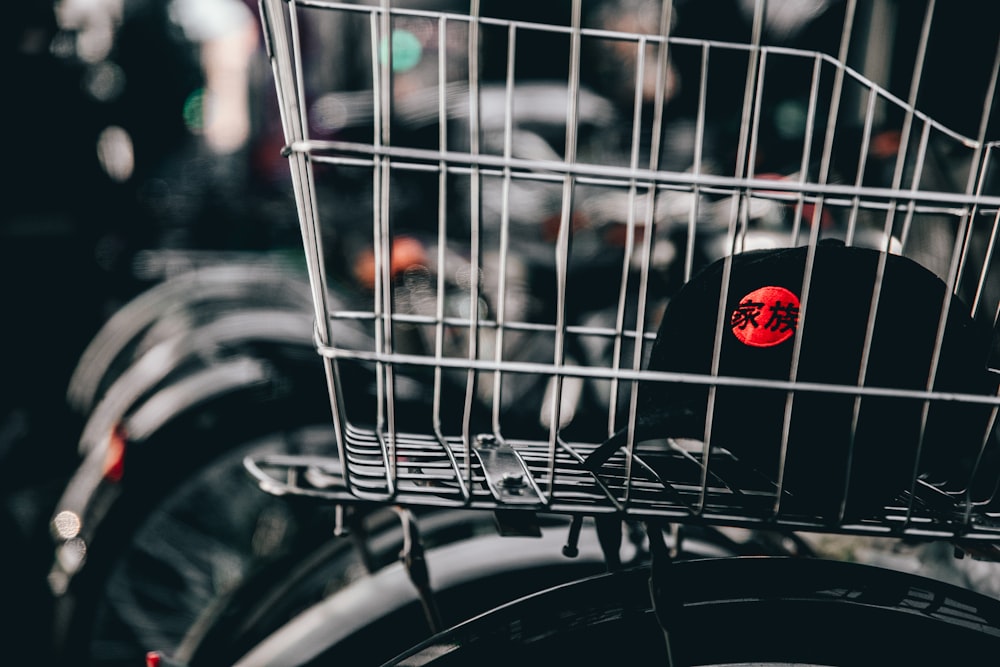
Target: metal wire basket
x=512, y=197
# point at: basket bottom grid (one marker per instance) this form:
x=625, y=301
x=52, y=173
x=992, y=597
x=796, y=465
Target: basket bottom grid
x=670, y=483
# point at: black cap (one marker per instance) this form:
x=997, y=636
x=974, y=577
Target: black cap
x=765, y=317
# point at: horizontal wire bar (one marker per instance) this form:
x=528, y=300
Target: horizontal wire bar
x=628, y=175
x=649, y=376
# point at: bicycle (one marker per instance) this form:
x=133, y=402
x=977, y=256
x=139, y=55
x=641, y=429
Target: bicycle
x=904, y=420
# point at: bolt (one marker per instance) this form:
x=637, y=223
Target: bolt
x=486, y=440
x=513, y=480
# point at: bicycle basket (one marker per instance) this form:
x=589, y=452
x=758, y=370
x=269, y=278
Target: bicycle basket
x=624, y=257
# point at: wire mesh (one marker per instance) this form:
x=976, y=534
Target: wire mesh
x=512, y=199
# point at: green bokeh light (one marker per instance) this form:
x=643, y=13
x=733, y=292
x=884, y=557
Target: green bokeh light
x=406, y=51
x=193, y=110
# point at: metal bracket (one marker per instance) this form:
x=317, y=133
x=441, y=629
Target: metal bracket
x=507, y=476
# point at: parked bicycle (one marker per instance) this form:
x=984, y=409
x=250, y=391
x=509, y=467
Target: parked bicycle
x=852, y=432
x=817, y=386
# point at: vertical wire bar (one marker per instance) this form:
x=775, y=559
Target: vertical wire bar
x=991, y=422
x=659, y=98
x=897, y=177
x=649, y=226
x=475, y=231
x=836, y=94
x=991, y=243
x=442, y=222
x=918, y=171
x=564, y=238
x=969, y=502
x=508, y=139
x=442, y=241
x=887, y=229
x=284, y=50
x=807, y=149
x=814, y=232
x=376, y=213
x=982, y=162
x=866, y=137
x=751, y=157
x=629, y=227
x=951, y=282
x=826, y=160
x=616, y=357
x=699, y=147
x=981, y=159
x=727, y=262
x=382, y=233
x=291, y=92
x=295, y=118
x=890, y=215
x=959, y=253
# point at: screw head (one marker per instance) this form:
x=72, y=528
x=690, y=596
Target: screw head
x=513, y=480
x=486, y=440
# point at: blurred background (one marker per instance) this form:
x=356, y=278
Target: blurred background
x=143, y=143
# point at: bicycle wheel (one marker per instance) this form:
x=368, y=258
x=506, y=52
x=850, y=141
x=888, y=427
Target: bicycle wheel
x=352, y=607
x=379, y=616
x=163, y=561
x=729, y=612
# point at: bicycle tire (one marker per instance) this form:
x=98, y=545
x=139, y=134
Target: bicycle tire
x=159, y=556
x=280, y=591
x=733, y=611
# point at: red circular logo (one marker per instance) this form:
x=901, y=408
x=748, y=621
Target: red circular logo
x=766, y=317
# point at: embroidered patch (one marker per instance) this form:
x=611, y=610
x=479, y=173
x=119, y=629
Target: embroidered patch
x=766, y=317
